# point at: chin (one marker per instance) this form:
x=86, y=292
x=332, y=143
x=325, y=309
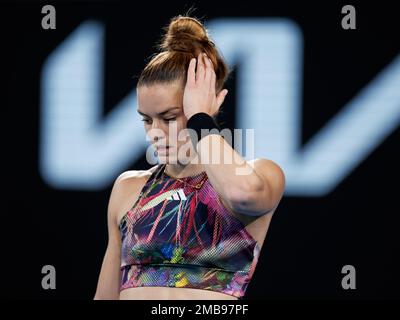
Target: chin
x=166, y=158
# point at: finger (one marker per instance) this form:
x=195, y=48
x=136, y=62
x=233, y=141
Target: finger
x=200, y=68
x=191, y=80
x=210, y=74
x=209, y=69
x=213, y=81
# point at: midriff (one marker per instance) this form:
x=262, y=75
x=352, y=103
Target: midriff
x=171, y=293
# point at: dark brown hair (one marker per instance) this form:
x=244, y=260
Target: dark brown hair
x=185, y=37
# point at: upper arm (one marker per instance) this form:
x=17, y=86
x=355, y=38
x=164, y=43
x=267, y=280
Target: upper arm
x=109, y=278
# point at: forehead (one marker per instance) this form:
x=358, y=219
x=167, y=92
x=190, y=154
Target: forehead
x=157, y=97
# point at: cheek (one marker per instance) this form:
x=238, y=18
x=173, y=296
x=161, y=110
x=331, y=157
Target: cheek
x=182, y=133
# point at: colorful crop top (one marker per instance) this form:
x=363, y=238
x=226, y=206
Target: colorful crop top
x=179, y=234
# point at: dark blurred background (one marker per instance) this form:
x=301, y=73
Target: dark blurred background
x=70, y=128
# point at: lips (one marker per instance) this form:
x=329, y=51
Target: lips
x=162, y=147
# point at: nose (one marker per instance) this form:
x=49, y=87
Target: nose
x=156, y=132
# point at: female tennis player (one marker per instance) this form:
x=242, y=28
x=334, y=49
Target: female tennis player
x=193, y=225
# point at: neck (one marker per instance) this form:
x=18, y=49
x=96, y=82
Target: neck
x=179, y=170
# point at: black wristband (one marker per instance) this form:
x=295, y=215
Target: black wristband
x=198, y=121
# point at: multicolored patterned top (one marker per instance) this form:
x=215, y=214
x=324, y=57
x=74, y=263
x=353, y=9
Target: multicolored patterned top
x=179, y=234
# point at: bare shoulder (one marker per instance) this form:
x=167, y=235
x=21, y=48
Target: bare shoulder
x=133, y=180
x=134, y=176
x=126, y=190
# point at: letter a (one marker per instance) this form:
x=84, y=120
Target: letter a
x=349, y=280
x=349, y=20
x=49, y=20
x=49, y=280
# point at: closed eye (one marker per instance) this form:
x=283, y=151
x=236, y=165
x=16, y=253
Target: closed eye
x=148, y=120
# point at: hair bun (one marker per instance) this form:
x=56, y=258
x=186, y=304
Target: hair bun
x=186, y=34
x=184, y=38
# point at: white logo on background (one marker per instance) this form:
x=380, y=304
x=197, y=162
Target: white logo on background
x=179, y=195
x=81, y=149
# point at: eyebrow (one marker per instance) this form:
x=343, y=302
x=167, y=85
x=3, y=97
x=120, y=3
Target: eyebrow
x=160, y=113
